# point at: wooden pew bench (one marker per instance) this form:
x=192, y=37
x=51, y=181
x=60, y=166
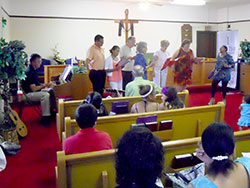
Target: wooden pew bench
x=68, y=108
x=187, y=122
x=97, y=169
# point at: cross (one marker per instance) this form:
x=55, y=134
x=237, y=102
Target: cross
x=126, y=21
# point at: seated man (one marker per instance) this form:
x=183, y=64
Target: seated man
x=36, y=91
x=132, y=88
x=87, y=139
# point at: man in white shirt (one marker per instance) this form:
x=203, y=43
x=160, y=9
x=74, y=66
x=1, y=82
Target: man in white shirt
x=160, y=56
x=128, y=51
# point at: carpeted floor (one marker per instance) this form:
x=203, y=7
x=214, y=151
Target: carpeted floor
x=34, y=166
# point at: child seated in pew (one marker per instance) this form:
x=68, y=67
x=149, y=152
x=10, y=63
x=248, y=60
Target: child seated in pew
x=148, y=103
x=170, y=99
x=139, y=160
x=87, y=139
x=217, y=151
x=244, y=120
x=95, y=99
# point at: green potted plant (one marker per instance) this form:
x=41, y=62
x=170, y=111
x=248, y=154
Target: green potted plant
x=13, y=61
x=245, y=51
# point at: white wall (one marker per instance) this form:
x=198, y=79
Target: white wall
x=5, y=33
x=74, y=37
x=236, y=13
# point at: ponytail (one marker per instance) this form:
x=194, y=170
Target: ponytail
x=221, y=167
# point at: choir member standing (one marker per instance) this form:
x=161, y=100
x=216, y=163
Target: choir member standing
x=128, y=51
x=96, y=60
x=160, y=56
x=183, y=66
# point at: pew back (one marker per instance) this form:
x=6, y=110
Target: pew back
x=68, y=108
x=85, y=170
x=187, y=122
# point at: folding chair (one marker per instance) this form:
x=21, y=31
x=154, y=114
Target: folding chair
x=26, y=101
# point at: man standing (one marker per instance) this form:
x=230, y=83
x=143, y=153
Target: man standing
x=36, y=91
x=132, y=88
x=96, y=60
x=128, y=51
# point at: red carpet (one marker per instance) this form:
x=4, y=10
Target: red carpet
x=34, y=166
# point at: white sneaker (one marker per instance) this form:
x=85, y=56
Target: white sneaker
x=212, y=101
x=224, y=100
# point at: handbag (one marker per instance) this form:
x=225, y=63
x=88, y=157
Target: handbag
x=184, y=177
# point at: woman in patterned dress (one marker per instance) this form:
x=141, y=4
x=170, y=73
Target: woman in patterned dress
x=184, y=58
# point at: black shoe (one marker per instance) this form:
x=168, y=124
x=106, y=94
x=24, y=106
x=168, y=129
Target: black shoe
x=45, y=120
x=53, y=113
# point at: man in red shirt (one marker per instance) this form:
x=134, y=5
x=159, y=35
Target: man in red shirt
x=87, y=139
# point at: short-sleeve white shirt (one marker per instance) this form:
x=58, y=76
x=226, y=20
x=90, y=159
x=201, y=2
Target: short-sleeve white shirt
x=162, y=57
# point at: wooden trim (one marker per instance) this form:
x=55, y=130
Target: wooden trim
x=67, y=121
x=105, y=181
x=59, y=118
x=199, y=128
x=61, y=169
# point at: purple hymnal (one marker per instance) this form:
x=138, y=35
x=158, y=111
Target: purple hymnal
x=120, y=107
x=146, y=119
x=166, y=125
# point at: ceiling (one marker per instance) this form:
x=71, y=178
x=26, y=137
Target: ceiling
x=166, y=2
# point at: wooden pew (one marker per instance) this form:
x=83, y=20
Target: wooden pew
x=96, y=169
x=68, y=108
x=187, y=122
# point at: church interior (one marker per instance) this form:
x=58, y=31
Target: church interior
x=79, y=78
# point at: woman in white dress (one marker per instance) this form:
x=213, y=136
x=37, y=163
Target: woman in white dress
x=160, y=56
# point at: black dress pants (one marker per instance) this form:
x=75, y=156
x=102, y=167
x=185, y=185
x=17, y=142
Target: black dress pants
x=126, y=78
x=224, y=87
x=98, y=78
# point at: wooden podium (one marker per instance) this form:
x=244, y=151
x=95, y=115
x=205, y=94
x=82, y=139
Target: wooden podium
x=244, y=78
x=200, y=73
x=77, y=89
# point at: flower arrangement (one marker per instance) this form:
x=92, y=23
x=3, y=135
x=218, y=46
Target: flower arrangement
x=56, y=56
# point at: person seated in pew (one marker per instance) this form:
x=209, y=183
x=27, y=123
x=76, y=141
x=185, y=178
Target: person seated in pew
x=217, y=150
x=95, y=99
x=132, y=88
x=148, y=103
x=87, y=139
x=170, y=99
x=139, y=160
x=35, y=91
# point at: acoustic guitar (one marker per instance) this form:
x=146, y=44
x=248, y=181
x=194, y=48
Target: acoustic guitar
x=20, y=126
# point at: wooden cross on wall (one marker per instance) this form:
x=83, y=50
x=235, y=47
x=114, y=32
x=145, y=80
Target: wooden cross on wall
x=126, y=28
